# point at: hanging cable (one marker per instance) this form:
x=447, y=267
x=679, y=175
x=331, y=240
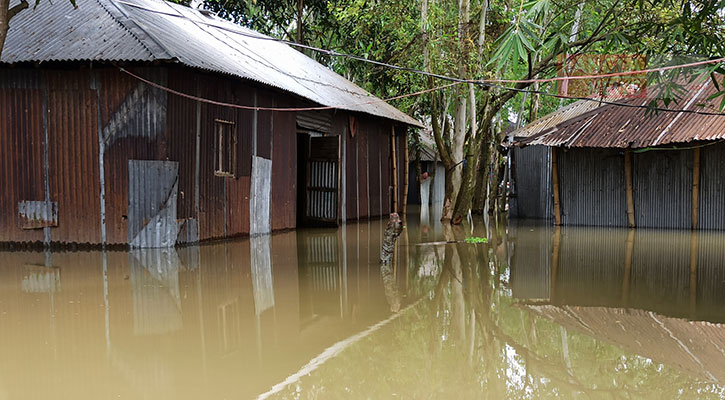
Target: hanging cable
x=482, y=82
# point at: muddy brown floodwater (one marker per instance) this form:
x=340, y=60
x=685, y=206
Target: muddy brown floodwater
x=536, y=312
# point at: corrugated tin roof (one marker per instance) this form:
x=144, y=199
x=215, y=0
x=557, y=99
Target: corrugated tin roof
x=148, y=30
x=621, y=127
x=563, y=114
x=428, y=148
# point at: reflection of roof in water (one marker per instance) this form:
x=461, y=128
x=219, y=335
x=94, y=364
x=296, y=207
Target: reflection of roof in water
x=695, y=347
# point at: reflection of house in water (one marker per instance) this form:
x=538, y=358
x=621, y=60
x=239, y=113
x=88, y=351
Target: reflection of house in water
x=154, y=275
x=322, y=282
x=677, y=273
x=653, y=293
x=214, y=321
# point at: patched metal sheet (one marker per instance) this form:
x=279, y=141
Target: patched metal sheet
x=153, y=187
x=188, y=231
x=259, y=198
x=141, y=114
x=38, y=214
x=262, y=284
x=155, y=289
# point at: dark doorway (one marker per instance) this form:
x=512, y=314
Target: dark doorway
x=318, y=196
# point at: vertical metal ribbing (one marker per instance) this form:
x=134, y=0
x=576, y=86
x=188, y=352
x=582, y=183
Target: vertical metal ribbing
x=254, y=125
x=197, y=167
x=96, y=84
x=46, y=166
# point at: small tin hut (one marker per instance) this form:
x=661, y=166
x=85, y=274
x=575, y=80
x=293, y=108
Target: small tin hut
x=149, y=124
x=624, y=165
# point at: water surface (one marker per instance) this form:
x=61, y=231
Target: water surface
x=536, y=312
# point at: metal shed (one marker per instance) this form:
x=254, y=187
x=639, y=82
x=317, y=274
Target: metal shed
x=614, y=165
x=148, y=123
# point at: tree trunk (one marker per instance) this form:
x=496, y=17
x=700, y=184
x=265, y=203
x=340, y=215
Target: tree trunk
x=6, y=14
x=479, y=191
x=300, y=8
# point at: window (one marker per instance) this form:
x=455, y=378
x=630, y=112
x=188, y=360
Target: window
x=225, y=143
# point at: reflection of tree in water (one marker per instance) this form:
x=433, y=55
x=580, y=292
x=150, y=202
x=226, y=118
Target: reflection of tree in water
x=391, y=287
x=469, y=339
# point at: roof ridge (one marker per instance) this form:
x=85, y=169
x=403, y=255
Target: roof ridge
x=153, y=46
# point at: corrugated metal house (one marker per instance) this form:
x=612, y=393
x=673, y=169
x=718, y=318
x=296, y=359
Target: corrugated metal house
x=432, y=188
x=608, y=165
x=116, y=130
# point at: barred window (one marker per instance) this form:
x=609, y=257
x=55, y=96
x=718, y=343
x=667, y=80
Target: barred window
x=225, y=155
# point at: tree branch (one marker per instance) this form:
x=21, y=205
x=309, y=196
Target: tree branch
x=17, y=8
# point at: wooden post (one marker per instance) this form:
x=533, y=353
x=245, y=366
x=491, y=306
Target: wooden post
x=395, y=170
x=555, y=185
x=695, y=188
x=628, y=185
x=406, y=174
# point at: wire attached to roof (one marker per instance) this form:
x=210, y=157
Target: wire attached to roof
x=257, y=108
x=486, y=83
x=482, y=82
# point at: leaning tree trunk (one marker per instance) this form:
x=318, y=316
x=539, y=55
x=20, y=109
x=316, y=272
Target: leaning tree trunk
x=480, y=189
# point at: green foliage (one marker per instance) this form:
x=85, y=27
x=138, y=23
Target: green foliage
x=476, y=240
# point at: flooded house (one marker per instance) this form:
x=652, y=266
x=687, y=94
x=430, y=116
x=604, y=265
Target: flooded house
x=600, y=164
x=145, y=123
x=428, y=188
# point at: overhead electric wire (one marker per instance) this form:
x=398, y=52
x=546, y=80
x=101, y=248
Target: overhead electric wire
x=257, y=108
x=484, y=82
x=454, y=80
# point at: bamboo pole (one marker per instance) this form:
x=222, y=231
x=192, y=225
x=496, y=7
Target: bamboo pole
x=406, y=174
x=695, y=188
x=395, y=170
x=628, y=184
x=555, y=185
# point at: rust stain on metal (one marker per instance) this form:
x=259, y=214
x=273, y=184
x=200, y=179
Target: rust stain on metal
x=627, y=127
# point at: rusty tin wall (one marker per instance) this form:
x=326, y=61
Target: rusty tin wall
x=284, y=169
x=592, y=188
x=50, y=153
x=21, y=145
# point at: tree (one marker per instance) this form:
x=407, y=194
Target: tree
x=6, y=14
x=481, y=39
